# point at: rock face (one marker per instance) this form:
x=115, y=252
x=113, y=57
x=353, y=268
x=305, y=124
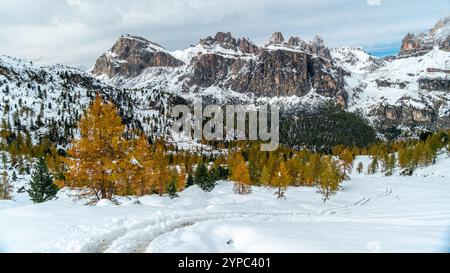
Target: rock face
x=276, y=39
x=435, y=84
x=314, y=47
x=227, y=41
x=391, y=115
x=420, y=44
x=416, y=45
x=132, y=55
x=277, y=70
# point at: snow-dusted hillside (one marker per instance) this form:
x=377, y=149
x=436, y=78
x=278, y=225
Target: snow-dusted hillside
x=48, y=101
x=411, y=92
x=356, y=60
x=370, y=214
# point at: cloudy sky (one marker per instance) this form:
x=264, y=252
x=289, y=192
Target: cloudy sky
x=76, y=32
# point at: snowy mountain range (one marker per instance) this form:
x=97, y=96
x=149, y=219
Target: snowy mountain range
x=410, y=91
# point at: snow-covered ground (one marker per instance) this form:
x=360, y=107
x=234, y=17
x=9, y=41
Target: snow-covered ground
x=370, y=214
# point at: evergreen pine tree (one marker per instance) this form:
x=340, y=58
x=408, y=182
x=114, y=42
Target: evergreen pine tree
x=172, y=187
x=373, y=166
x=4, y=160
x=360, y=168
x=215, y=174
x=203, y=179
x=190, y=181
x=42, y=186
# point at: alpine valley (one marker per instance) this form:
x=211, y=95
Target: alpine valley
x=89, y=161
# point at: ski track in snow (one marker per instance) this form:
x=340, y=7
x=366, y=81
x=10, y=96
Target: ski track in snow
x=138, y=237
x=361, y=202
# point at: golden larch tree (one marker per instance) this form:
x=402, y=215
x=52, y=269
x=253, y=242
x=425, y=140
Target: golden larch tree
x=143, y=168
x=281, y=180
x=181, y=182
x=330, y=177
x=97, y=160
x=347, y=158
x=240, y=175
x=161, y=174
x=266, y=177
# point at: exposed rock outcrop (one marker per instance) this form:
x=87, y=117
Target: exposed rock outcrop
x=435, y=84
x=314, y=47
x=131, y=55
x=416, y=45
x=392, y=115
x=227, y=41
x=276, y=39
x=420, y=44
x=271, y=72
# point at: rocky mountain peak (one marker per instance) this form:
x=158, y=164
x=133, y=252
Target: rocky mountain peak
x=314, y=47
x=246, y=46
x=224, y=39
x=130, y=55
x=422, y=43
x=276, y=39
x=440, y=25
x=227, y=41
x=134, y=42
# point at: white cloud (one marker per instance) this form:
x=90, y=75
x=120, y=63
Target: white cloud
x=374, y=2
x=74, y=2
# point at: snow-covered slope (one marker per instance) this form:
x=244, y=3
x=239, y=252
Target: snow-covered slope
x=409, y=92
x=422, y=43
x=47, y=101
x=370, y=214
x=38, y=99
x=356, y=60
